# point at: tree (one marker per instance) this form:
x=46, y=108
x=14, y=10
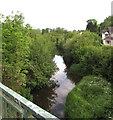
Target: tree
x=92, y=25
x=47, y=30
x=73, y=45
x=107, y=23
x=42, y=50
x=27, y=59
x=16, y=51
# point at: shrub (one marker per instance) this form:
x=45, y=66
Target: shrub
x=94, y=61
x=91, y=98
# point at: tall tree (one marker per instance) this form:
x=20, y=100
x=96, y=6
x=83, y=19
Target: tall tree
x=107, y=23
x=92, y=25
x=16, y=51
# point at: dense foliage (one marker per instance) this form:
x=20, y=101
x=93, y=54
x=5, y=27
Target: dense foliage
x=92, y=25
x=27, y=63
x=42, y=51
x=91, y=98
x=15, y=45
x=94, y=61
x=27, y=55
x=85, y=55
x=107, y=23
x=73, y=46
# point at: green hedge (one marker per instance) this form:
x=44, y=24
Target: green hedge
x=91, y=98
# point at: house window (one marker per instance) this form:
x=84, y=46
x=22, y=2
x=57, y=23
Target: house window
x=108, y=42
x=106, y=35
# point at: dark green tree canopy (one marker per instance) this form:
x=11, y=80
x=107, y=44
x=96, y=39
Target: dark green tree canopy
x=92, y=25
x=107, y=23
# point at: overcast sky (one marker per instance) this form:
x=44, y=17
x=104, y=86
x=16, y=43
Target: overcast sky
x=68, y=14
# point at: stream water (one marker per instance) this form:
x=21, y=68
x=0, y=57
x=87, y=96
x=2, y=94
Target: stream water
x=53, y=98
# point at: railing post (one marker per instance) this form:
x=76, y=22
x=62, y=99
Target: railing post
x=20, y=107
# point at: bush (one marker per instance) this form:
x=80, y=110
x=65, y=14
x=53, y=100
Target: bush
x=73, y=46
x=27, y=56
x=94, y=61
x=91, y=98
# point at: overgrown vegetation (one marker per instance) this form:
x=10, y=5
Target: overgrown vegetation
x=90, y=99
x=27, y=56
x=27, y=63
x=85, y=55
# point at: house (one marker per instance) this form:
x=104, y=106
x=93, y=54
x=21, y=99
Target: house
x=107, y=36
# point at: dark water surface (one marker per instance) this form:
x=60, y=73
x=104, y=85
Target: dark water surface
x=53, y=98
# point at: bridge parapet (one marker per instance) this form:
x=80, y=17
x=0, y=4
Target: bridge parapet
x=13, y=105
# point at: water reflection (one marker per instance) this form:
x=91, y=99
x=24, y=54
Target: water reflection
x=53, y=98
x=45, y=98
x=75, y=77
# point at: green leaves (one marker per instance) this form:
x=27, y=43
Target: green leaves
x=73, y=46
x=91, y=98
x=15, y=47
x=92, y=25
x=107, y=23
x=41, y=55
x=27, y=55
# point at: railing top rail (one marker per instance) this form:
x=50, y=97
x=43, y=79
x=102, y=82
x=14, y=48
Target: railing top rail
x=31, y=107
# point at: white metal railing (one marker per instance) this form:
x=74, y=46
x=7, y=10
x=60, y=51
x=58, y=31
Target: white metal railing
x=13, y=105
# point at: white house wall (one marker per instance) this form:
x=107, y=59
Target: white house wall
x=111, y=42
x=103, y=35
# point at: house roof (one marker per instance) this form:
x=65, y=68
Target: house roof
x=103, y=31
x=106, y=33
x=109, y=30
x=108, y=38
